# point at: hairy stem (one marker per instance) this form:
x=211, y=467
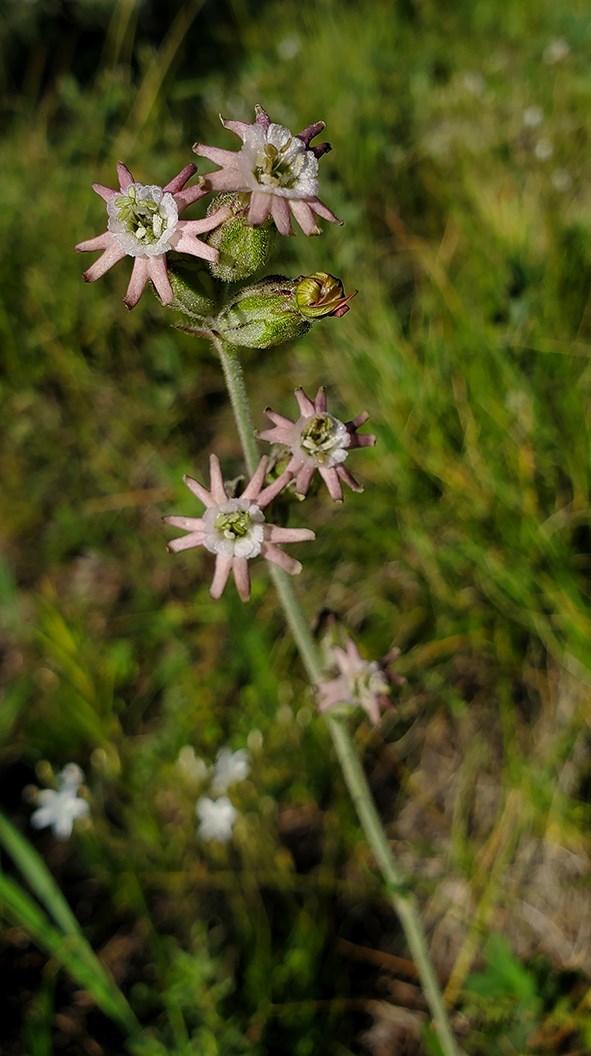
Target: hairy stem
x=402, y=899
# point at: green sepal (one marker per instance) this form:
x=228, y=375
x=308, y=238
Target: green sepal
x=192, y=286
x=243, y=249
x=262, y=315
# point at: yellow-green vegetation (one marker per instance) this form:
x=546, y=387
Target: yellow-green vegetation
x=461, y=166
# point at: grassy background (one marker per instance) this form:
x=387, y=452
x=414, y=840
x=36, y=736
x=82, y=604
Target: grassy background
x=467, y=233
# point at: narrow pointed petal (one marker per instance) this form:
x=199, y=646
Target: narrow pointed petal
x=178, y=182
x=279, y=419
x=137, y=282
x=223, y=567
x=362, y=440
x=272, y=490
x=311, y=132
x=198, y=227
x=191, y=194
x=276, y=534
x=304, y=216
x=262, y=118
x=199, y=491
x=218, y=491
x=239, y=128
x=188, y=524
x=303, y=479
x=260, y=207
x=185, y=542
x=184, y=242
x=359, y=420
x=100, y=242
x=331, y=480
x=348, y=479
x=307, y=408
x=216, y=154
x=159, y=276
x=321, y=402
x=242, y=577
x=323, y=211
x=226, y=179
x=281, y=215
x=104, y=192
x=281, y=559
x=124, y=175
x=255, y=484
x=112, y=255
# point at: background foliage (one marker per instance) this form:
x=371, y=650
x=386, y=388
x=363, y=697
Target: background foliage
x=461, y=167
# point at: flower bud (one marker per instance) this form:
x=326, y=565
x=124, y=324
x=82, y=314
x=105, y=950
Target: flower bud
x=262, y=315
x=243, y=249
x=192, y=288
x=278, y=309
x=321, y=294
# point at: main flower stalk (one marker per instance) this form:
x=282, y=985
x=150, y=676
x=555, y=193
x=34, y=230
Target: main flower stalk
x=401, y=897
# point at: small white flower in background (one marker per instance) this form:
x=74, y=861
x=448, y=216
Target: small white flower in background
x=533, y=116
x=561, y=180
x=474, y=82
x=190, y=765
x=543, y=150
x=556, y=51
x=216, y=818
x=60, y=808
x=230, y=767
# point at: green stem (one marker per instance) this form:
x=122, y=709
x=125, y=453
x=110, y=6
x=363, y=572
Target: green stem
x=402, y=899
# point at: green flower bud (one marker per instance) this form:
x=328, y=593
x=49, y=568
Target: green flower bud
x=263, y=315
x=243, y=248
x=321, y=294
x=192, y=286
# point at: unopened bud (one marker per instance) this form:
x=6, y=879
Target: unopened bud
x=263, y=315
x=321, y=294
x=243, y=249
x=278, y=309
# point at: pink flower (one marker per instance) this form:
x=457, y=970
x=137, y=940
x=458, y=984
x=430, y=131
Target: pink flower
x=360, y=682
x=318, y=441
x=235, y=529
x=144, y=223
x=280, y=171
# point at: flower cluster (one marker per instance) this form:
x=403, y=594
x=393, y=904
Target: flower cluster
x=59, y=808
x=275, y=172
x=216, y=815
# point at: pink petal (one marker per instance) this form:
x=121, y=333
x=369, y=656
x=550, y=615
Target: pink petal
x=304, y=216
x=276, y=534
x=104, y=192
x=100, y=242
x=188, y=524
x=261, y=206
x=359, y=420
x=186, y=542
x=184, y=242
x=178, y=182
x=321, y=402
x=310, y=132
x=226, y=179
x=331, y=480
x=348, y=479
x=242, y=577
x=200, y=492
x=307, y=408
x=281, y=559
x=111, y=256
x=137, y=282
x=218, y=490
x=255, y=484
x=262, y=118
x=281, y=215
x=323, y=210
x=124, y=175
x=197, y=227
x=272, y=490
x=223, y=567
x=189, y=195
x=239, y=128
x=362, y=440
x=159, y=276
x=226, y=158
x=303, y=479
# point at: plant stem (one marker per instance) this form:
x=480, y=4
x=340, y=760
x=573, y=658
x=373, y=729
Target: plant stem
x=402, y=899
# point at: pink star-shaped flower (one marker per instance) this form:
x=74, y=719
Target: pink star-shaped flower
x=144, y=224
x=235, y=529
x=318, y=441
x=360, y=682
x=278, y=169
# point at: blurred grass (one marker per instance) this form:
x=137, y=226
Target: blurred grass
x=468, y=343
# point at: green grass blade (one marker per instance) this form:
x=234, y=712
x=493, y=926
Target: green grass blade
x=38, y=877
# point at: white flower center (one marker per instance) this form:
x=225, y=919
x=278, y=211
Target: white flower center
x=235, y=528
x=368, y=683
x=143, y=220
x=275, y=161
x=323, y=441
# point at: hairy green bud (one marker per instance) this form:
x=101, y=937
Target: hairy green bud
x=192, y=287
x=243, y=249
x=262, y=315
